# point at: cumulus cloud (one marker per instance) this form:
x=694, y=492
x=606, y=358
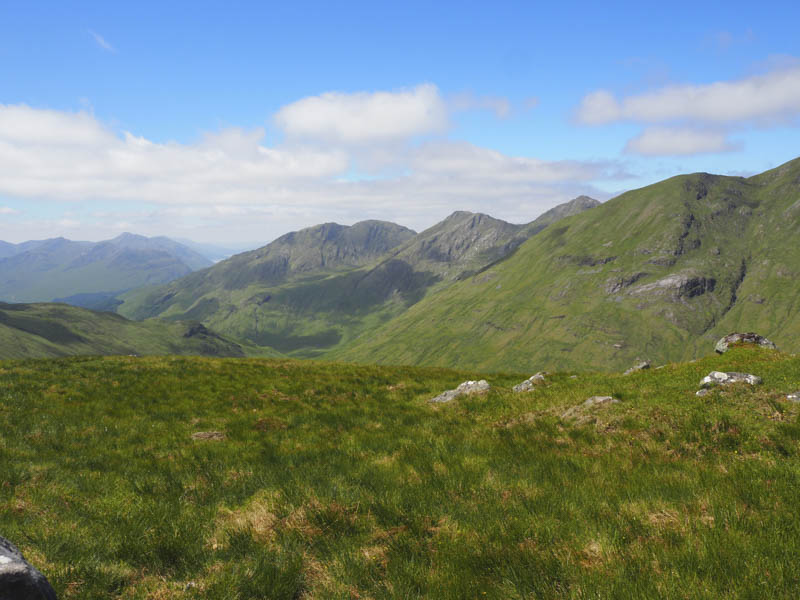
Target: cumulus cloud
x=365, y=117
x=682, y=141
x=768, y=97
x=231, y=185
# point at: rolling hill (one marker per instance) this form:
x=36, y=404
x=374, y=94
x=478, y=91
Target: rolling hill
x=88, y=273
x=312, y=290
x=654, y=273
x=50, y=330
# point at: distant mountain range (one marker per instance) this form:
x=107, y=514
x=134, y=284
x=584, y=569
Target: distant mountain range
x=315, y=289
x=656, y=273
x=90, y=273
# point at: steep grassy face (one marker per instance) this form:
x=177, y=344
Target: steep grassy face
x=655, y=273
x=316, y=289
x=91, y=273
x=235, y=479
x=47, y=330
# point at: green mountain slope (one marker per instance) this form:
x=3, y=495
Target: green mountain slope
x=61, y=269
x=49, y=330
x=654, y=273
x=312, y=290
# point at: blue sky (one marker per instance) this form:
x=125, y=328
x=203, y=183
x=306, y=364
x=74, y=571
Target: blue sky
x=235, y=122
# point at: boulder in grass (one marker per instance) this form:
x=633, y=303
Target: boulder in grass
x=795, y=397
x=19, y=580
x=720, y=378
x=465, y=389
x=640, y=365
x=743, y=338
x=530, y=383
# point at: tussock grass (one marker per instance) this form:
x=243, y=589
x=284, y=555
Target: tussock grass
x=339, y=481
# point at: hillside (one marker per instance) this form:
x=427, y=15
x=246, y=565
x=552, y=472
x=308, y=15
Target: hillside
x=50, y=330
x=312, y=290
x=234, y=479
x=654, y=273
x=89, y=273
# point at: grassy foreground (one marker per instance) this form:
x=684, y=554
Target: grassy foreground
x=338, y=481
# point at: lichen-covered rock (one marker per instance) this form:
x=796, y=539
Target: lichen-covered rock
x=530, y=383
x=464, y=389
x=720, y=378
x=19, y=580
x=638, y=366
x=743, y=338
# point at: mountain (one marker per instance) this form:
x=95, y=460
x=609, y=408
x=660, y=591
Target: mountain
x=89, y=272
x=49, y=330
x=654, y=273
x=312, y=290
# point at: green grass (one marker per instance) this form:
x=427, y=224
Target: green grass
x=341, y=481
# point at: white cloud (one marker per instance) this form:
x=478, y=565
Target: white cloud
x=683, y=141
x=231, y=186
x=363, y=117
x=7, y=210
x=100, y=41
x=469, y=163
x=768, y=97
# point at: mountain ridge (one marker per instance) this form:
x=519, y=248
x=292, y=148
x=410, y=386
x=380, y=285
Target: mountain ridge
x=305, y=306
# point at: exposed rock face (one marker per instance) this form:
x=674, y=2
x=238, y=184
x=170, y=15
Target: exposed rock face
x=592, y=402
x=19, y=580
x=530, y=383
x=743, y=338
x=464, y=389
x=720, y=378
x=678, y=285
x=639, y=366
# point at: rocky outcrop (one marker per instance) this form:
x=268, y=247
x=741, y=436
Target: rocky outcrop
x=795, y=397
x=530, y=383
x=19, y=580
x=640, y=365
x=465, y=389
x=743, y=338
x=678, y=285
x=716, y=378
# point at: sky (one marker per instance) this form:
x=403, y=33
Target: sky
x=235, y=122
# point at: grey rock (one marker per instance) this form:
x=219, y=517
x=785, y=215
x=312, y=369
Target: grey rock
x=795, y=397
x=19, y=580
x=638, y=366
x=465, y=389
x=720, y=378
x=530, y=383
x=702, y=392
x=597, y=400
x=743, y=338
